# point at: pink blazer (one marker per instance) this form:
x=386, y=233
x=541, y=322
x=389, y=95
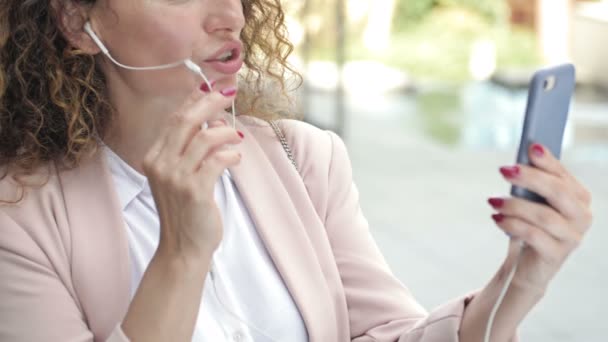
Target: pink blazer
x=64, y=260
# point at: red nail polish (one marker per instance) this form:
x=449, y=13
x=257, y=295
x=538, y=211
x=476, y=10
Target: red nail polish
x=205, y=87
x=510, y=171
x=228, y=91
x=498, y=218
x=538, y=150
x=241, y=134
x=496, y=203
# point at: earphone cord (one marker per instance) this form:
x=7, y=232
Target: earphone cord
x=503, y=292
x=158, y=67
x=187, y=62
x=197, y=70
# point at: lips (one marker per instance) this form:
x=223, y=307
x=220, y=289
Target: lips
x=230, y=65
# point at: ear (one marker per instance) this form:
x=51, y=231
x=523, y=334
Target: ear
x=71, y=18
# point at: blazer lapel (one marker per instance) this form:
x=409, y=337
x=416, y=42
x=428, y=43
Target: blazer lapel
x=100, y=257
x=99, y=240
x=278, y=224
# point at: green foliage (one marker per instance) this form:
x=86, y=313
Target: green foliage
x=436, y=40
x=409, y=12
x=441, y=116
x=493, y=10
x=439, y=46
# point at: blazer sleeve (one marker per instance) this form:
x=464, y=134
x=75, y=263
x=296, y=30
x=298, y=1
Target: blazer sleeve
x=380, y=307
x=35, y=303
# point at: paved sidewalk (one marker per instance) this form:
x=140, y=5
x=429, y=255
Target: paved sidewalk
x=426, y=204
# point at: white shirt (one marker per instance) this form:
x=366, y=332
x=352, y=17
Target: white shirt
x=247, y=284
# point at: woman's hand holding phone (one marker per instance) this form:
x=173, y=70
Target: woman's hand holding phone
x=550, y=210
x=550, y=232
x=546, y=217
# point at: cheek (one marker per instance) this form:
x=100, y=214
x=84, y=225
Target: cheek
x=173, y=37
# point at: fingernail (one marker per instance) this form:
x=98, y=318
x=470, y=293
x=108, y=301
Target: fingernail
x=538, y=150
x=498, y=218
x=241, y=134
x=496, y=203
x=510, y=171
x=231, y=91
x=205, y=87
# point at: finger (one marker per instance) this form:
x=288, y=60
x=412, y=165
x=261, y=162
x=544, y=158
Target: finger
x=194, y=96
x=554, y=189
x=197, y=93
x=204, y=143
x=215, y=164
x=538, y=215
x=542, y=158
x=151, y=156
x=582, y=193
x=217, y=123
x=190, y=120
x=546, y=246
x=176, y=119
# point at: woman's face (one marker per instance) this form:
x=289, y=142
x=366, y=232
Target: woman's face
x=156, y=32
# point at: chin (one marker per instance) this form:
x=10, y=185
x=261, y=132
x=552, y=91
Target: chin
x=225, y=81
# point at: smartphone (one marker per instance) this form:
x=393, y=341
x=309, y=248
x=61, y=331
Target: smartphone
x=549, y=96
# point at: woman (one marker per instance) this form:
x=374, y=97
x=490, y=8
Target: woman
x=123, y=220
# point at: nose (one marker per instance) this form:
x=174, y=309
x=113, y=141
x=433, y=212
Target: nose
x=225, y=15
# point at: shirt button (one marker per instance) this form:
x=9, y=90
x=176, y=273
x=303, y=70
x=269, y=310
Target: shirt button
x=238, y=336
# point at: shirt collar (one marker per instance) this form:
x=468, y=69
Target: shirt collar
x=129, y=183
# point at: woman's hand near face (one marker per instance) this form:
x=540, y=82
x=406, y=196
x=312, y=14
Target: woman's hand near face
x=183, y=167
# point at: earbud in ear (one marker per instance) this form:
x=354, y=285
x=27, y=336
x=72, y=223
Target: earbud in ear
x=89, y=30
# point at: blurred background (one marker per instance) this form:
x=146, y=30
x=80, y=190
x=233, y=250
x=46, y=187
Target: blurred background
x=429, y=96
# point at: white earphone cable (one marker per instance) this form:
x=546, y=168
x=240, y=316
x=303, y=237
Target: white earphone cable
x=197, y=70
x=104, y=49
x=503, y=292
x=187, y=62
x=159, y=67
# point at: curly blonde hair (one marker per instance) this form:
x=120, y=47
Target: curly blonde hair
x=53, y=98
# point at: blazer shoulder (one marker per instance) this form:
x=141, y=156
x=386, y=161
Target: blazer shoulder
x=305, y=134
x=293, y=129
x=19, y=190
x=322, y=160
x=32, y=206
x=312, y=147
x=316, y=150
